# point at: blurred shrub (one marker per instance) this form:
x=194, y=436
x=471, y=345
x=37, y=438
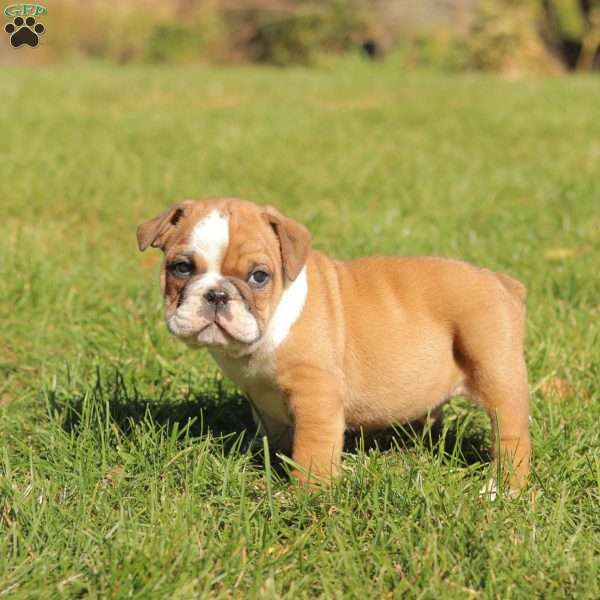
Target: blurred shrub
x=504, y=36
x=194, y=30
x=438, y=49
x=284, y=33
x=535, y=35
x=171, y=42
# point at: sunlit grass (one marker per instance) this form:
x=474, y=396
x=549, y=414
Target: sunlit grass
x=107, y=488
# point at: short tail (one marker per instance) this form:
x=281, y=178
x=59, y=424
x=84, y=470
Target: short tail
x=516, y=288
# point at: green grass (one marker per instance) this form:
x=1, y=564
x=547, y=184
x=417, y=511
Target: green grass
x=110, y=482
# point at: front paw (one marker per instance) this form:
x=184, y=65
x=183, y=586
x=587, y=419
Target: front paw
x=309, y=480
x=490, y=491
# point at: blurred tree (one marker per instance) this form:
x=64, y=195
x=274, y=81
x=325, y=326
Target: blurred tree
x=573, y=30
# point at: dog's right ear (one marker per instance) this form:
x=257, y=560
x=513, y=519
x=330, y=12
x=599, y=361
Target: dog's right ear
x=156, y=231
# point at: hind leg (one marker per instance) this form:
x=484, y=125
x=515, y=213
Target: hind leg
x=505, y=398
x=494, y=365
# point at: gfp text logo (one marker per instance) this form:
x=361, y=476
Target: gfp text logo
x=24, y=10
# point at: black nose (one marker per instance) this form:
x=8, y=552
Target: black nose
x=217, y=297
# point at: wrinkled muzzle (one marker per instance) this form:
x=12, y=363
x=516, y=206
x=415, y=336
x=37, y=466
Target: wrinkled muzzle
x=214, y=311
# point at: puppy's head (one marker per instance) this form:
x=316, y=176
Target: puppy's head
x=227, y=264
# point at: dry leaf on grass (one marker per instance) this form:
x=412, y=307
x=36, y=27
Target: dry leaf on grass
x=556, y=387
x=562, y=253
x=113, y=476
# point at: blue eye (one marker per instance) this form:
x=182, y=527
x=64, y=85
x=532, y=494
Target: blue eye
x=181, y=268
x=258, y=278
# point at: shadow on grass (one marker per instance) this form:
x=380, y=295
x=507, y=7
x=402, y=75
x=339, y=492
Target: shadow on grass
x=221, y=412
x=226, y=415
x=467, y=448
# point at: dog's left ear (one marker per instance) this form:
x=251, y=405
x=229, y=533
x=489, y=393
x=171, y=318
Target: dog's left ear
x=294, y=241
x=156, y=231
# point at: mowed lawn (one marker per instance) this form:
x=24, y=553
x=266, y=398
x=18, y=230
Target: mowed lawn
x=124, y=461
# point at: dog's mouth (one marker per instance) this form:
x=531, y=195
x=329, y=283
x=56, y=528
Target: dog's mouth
x=216, y=330
x=215, y=324
x=227, y=326
x=208, y=326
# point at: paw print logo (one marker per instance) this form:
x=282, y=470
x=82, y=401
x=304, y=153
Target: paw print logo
x=24, y=31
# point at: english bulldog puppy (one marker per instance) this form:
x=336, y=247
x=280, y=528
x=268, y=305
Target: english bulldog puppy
x=322, y=345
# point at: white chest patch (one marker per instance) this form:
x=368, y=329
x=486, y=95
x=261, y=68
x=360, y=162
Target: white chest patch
x=288, y=310
x=210, y=238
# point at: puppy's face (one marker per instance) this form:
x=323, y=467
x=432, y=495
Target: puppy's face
x=226, y=264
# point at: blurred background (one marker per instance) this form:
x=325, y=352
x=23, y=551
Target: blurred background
x=514, y=37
